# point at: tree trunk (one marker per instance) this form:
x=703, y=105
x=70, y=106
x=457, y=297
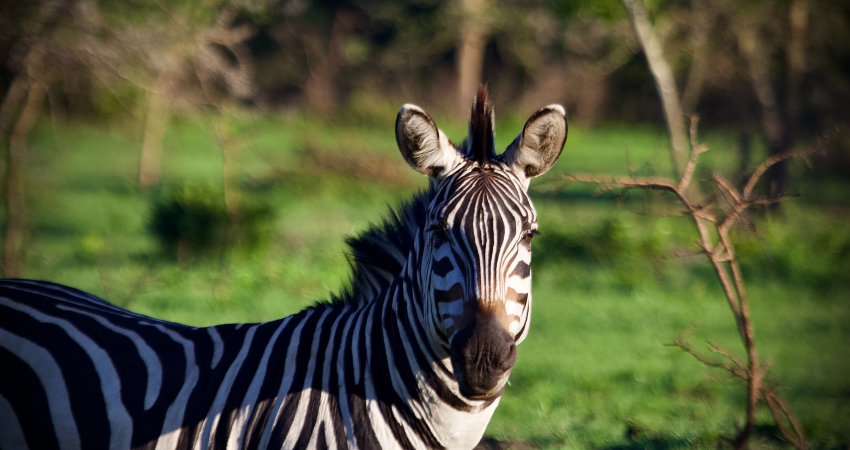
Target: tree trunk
x=156, y=122
x=11, y=102
x=470, y=54
x=20, y=87
x=753, y=49
x=798, y=22
x=701, y=18
x=54, y=13
x=320, y=90
x=16, y=180
x=664, y=81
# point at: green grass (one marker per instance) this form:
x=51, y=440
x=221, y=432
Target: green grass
x=594, y=364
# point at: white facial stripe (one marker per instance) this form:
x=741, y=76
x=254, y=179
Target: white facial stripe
x=514, y=308
x=514, y=327
x=444, y=284
x=486, y=215
x=486, y=241
x=443, y=251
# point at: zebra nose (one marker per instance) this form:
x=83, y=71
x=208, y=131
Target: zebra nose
x=483, y=354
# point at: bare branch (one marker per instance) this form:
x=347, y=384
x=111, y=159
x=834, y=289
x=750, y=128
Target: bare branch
x=739, y=207
x=727, y=187
x=714, y=348
x=722, y=256
x=611, y=183
x=693, y=130
x=696, y=149
x=779, y=409
x=682, y=253
x=736, y=371
x=819, y=148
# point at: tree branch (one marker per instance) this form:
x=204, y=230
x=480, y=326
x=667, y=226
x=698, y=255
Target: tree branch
x=819, y=148
x=696, y=149
x=723, y=259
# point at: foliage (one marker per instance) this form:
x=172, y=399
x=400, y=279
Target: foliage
x=583, y=54
x=808, y=250
x=814, y=252
x=193, y=219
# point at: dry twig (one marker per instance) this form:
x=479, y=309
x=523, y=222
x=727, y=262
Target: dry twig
x=721, y=255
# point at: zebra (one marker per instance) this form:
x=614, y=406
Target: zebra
x=414, y=354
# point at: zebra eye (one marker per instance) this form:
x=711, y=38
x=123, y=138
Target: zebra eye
x=529, y=235
x=439, y=233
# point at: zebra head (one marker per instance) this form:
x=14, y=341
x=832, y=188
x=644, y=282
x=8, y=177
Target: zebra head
x=476, y=260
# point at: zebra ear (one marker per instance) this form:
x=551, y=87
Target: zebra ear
x=539, y=145
x=423, y=145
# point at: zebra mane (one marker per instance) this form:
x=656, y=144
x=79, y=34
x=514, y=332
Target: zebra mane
x=480, y=145
x=378, y=255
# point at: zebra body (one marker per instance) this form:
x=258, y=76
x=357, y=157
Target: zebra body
x=414, y=355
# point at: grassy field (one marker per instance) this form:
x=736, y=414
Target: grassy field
x=594, y=366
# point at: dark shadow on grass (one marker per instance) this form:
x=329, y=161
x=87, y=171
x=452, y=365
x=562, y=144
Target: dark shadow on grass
x=651, y=443
x=644, y=443
x=764, y=436
x=114, y=185
x=53, y=230
x=489, y=443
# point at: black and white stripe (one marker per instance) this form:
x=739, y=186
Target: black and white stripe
x=385, y=365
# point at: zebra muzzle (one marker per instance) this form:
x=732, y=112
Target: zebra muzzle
x=483, y=354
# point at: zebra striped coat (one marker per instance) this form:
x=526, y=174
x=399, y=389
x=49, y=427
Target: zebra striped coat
x=414, y=354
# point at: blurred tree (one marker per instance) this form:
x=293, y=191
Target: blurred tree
x=327, y=58
x=34, y=73
x=146, y=45
x=701, y=19
x=322, y=55
x=16, y=170
x=470, y=50
x=664, y=80
x=797, y=42
x=758, y=49
x=156, y=121
x=322, y=52
x=562, y=52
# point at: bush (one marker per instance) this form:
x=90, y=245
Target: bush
x=801, y=248
x=191, y=220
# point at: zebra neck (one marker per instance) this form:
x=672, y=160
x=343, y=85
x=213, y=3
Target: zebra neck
x=410, y=368
x=370, y=375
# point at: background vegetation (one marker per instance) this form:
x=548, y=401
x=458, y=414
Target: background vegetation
x=594, y=371
x=202, y=163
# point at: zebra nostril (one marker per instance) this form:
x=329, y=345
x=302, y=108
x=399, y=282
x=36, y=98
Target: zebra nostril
x=510, y=360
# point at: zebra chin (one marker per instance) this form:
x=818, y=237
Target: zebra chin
x=475, y=392
x=483, y=355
